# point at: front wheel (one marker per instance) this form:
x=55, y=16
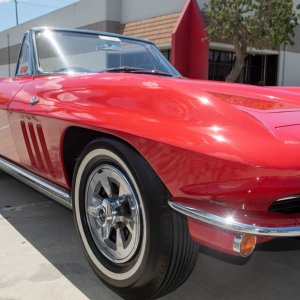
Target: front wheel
x=135, y=243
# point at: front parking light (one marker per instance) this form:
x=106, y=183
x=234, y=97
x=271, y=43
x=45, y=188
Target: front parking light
x=244, y=244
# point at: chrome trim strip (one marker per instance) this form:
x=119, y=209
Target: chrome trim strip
x=44, y=186
x=287, y=198
x=237, y=243
x=133, y=38
x=232, y=225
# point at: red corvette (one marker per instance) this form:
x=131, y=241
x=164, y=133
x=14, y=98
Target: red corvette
x=152, y=164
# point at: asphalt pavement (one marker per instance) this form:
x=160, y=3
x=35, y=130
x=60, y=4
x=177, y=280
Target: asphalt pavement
x=41, y=258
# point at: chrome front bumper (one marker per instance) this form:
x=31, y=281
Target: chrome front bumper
x=246, y=223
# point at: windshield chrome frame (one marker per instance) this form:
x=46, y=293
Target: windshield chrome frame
x=30, y=56
x=36, y=68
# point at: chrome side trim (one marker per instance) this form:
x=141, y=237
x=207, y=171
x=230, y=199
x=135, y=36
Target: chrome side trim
x=287, y=198
x=232, y=225
x=44, y=186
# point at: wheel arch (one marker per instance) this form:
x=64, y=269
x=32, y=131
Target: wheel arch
x=74, y=141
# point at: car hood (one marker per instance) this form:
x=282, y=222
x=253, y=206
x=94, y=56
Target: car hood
x=277, y=108
x=255, y=98
x=213, y=118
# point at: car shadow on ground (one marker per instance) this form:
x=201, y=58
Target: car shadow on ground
x=49, y=228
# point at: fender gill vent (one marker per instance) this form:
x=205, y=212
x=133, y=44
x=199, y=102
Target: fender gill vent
x=287, y=205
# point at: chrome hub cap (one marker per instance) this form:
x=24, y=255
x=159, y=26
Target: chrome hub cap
x=113, y=213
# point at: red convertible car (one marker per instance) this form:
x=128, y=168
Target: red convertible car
x=151, y=163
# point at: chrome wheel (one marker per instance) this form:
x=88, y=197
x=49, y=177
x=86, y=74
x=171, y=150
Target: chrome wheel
x=132, y=239
x=113, y=213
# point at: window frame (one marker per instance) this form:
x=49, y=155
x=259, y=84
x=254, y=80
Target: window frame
x=26, y=39
x=37, y=71
x=34, y=66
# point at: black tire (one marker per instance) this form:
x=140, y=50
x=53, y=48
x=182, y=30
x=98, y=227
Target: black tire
x=165, y=254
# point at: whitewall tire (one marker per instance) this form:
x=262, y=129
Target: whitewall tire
x=135, y=243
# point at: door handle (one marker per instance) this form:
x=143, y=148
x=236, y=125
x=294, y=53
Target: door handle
x=34, y=100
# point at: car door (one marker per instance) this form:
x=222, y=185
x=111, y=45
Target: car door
x=37, y=136
x=9, y=87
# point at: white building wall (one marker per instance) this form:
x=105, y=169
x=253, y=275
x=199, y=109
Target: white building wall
x=133, y=10
x=75, y=15
x=289, y=69
x=4, y=70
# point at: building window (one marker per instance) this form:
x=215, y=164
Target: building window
x=167, y=54
x=259, y=69
x=220, y=64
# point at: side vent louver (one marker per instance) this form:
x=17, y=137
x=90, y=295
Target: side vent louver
x=37, y=148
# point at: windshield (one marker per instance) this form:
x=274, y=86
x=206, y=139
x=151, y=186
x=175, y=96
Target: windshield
x=79, y=52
